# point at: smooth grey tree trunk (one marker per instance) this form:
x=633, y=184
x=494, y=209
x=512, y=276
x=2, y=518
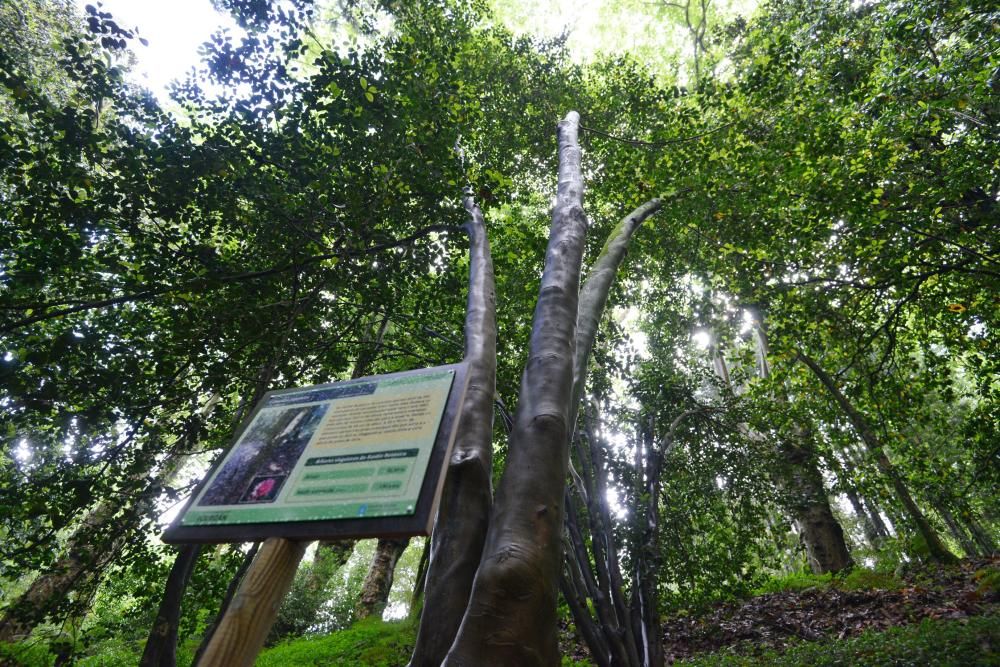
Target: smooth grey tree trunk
x=511, y=617
x=456, y=543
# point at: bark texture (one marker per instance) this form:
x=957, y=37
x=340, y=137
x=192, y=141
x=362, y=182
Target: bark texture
x=809, y=506
x=378, y=582
x=464, y=511
x=511, y=616
x=937, y=549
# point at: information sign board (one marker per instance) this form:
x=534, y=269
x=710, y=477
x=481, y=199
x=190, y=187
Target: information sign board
x=349, y=459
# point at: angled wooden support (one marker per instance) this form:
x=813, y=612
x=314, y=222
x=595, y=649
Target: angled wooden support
x=243, y=629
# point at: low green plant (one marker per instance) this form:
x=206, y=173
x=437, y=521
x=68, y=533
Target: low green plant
x=969, y=642
x=987, y=580
x=26, y=653
x=797, y=581
x=854, y=580
x=860, y=579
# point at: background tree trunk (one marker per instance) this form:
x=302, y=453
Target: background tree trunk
x=797, y=476
x=161, y=646
x=936, y=548
x=809, y=505
x=378, y=582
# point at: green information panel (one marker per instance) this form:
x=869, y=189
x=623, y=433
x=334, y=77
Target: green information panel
x=351, y=450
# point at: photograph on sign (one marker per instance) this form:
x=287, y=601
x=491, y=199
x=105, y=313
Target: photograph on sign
x=357, y=449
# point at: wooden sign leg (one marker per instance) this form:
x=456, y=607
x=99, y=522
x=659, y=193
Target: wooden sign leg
x=243, y=629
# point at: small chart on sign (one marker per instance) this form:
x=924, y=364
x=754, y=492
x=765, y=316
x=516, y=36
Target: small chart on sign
x=352, y=450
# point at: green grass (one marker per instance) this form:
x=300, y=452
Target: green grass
x=855, y=580
x=107, y=653
x=372, y=643
x=972, y=642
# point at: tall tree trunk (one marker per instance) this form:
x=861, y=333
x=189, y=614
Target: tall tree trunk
x=935, y=547
x=610, y=639
x=876, y=516
x=595, y=291
x=464, y=511
x=809, y=503
x=375, y=590
x=93, y=545
x=161, y=645
x=420, y=582
x=963, y=539
x=867, y=525
x=606, y=620
x=645, y=609
x=511, y=617
x=797, y=476
x=979, y=533
x=88, y=551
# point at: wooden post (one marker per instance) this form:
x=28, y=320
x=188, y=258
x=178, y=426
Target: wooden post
x=243, y=629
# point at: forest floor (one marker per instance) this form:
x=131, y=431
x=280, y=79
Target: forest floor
x=836, y=609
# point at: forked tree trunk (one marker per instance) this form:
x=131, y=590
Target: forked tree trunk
x=375, y=589
x=463, y=514
x=610, y=635
x=936, y=548
x=511, y=616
